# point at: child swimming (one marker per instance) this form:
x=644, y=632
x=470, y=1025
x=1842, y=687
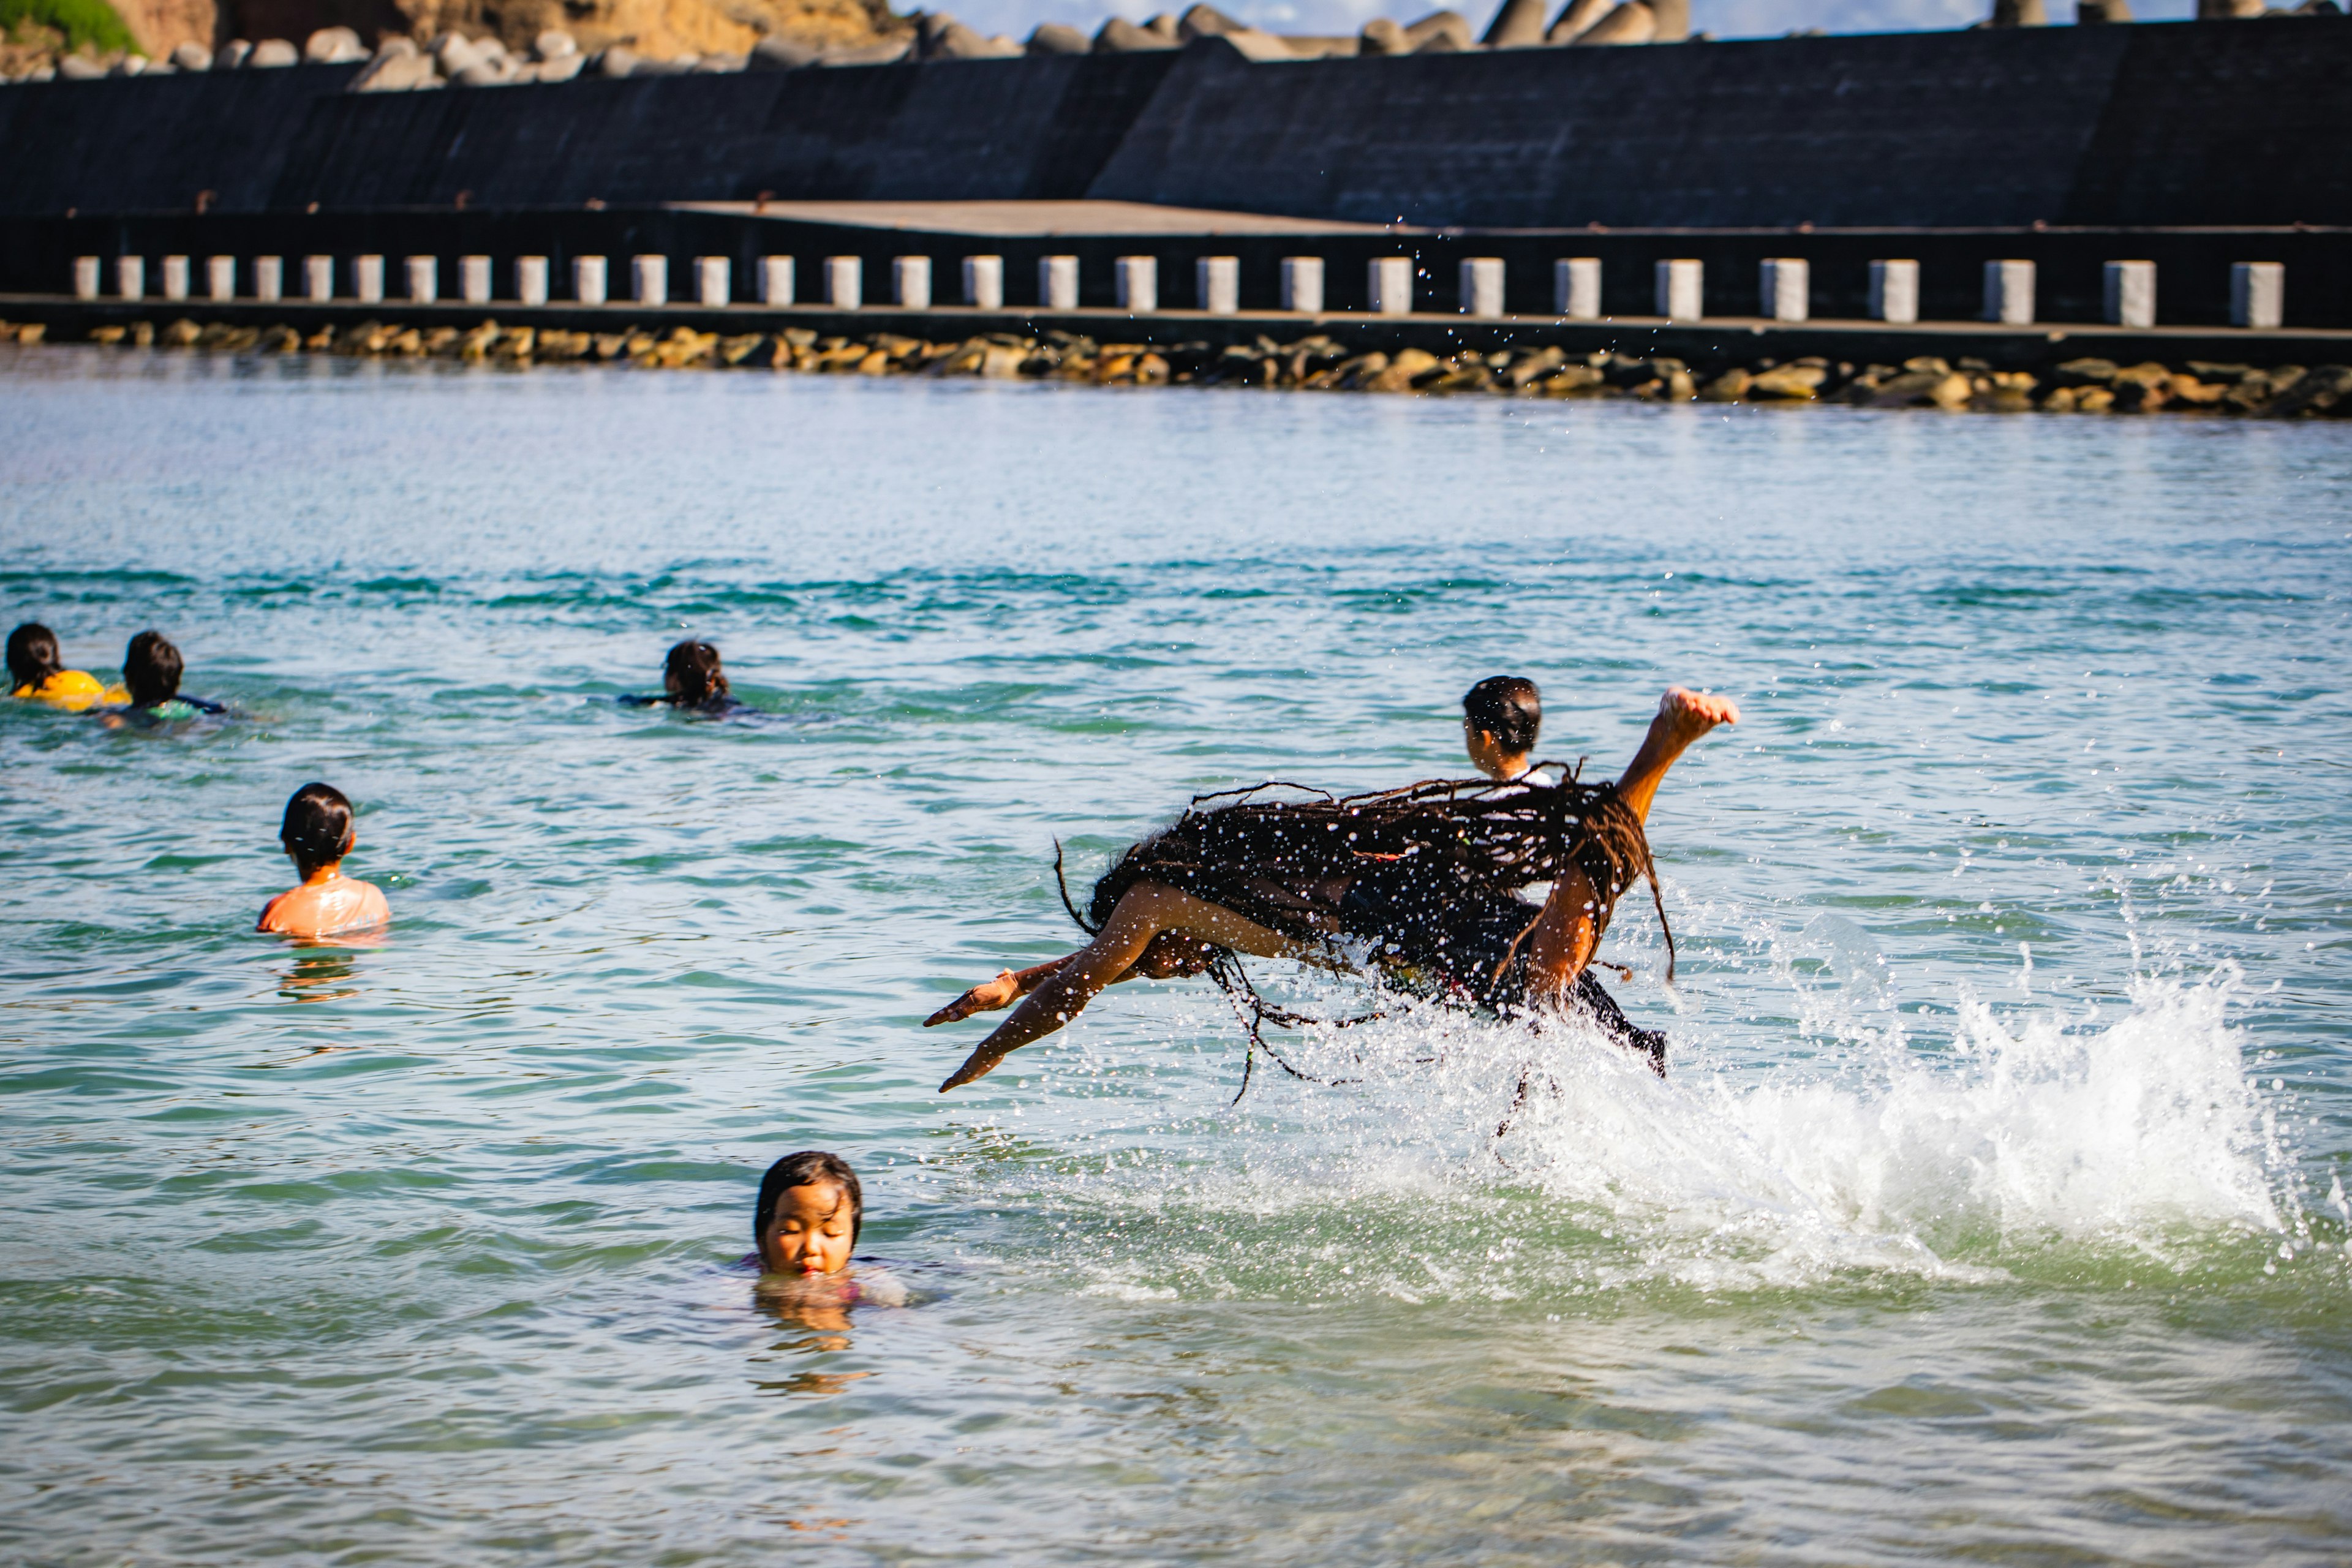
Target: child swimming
x=693, y=681
x=318, y=833
x=810, y=1210
x=151, y=675
x=37, y=673
x=1501, y=716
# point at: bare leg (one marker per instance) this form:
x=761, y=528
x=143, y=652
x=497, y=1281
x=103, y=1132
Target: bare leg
x=1146, y=910
x=1684, y=715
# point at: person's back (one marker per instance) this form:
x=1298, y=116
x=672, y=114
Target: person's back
x=318, y=832
x=36, y=673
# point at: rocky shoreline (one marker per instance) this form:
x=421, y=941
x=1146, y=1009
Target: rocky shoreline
x=1316, y=363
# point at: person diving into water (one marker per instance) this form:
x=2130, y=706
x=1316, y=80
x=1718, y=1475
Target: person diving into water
x=1416, y=883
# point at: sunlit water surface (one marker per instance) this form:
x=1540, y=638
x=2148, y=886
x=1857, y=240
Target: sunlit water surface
x=1993, y=1209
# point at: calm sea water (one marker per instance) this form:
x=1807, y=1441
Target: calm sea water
x=1993, y=1210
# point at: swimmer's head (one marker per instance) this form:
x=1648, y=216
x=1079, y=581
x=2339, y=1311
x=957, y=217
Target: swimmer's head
x=809, y=1213
x=692, y=676
x=1501, y=716
x=33, y=654
x=150, y=668
x=317, y=829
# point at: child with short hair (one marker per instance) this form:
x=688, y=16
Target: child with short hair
x=318, y=833
x=151, y=675
x=38, y=672
x=1501, y=716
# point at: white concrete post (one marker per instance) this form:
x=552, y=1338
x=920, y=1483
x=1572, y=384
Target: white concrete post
x=776, y=281
x=844, y=282
x=714, y=280
x=474, y=279
x=1057, y=282
x=1576, y=288
x=590, y=278
x=319, y=277
x=220, y=277
x=2008, y=292
x=1481, y=286
x=530, y=279
x=2131, y=293
x=86, y=277
x=1302, y=284
x=270, y=277
x=1388, y=279
x=1217, y=284
x=650, y=280
x=1786, y=285
x=983, y=283
x=425, y=279
x=910, y=281
x=175, y=277
x=2257, y=294
x=1682, y=290
x=367, y=279
x=1894, y=291
x=131, y=276
x=1139, y=284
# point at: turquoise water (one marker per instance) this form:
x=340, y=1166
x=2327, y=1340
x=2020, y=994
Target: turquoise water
x=1993, y=1209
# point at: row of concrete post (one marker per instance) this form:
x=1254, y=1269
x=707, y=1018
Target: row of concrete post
x=2257, y=288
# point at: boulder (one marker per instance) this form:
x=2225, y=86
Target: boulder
x=1402, y=370
x=720, y=64
x=1382, y=37
x=2316, y=391
x=889, y=51
x=1922, y=388
x=1729, y=387
x=231, y=55
x=192, y=57
x=1057, y=38
x=2197, y=393
x=2090, y=12
x=2086, y=373
x=618, y=61
x=334, y=46
x=1519, y=24
x=563, y=69
x=779, y=55
x=1793, y=382
x=398, y=72
x=1532, y=367
x=80, y=68
x=1204, y=21
x=273, y=54
x=1571, y=381
x=1575, y=17
x=555, y=43
x=1630, y=23
x=2022, y=13
x=1673, y=21
x=1450, y=26
x=1120, y=36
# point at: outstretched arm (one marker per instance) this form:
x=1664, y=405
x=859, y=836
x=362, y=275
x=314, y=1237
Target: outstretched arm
x=1568, y=931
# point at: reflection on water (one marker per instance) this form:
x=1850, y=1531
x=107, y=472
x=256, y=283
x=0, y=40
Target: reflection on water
x=1992, y=1208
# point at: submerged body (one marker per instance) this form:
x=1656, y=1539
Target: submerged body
x=1416, y=882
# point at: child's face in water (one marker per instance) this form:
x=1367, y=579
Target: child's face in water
x=809, y=1235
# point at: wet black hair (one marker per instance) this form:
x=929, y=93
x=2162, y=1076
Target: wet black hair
x=691, y=674
x=1509, y=707
x=808, y=1168
x=150, y=667
x=318, y=828
x=33, y=654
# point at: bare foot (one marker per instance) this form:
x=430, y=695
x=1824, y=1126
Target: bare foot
x=1694, y=713
x=978, y=1065
x=985, y=997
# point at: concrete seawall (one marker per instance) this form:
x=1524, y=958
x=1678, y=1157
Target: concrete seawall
x=2173, y=124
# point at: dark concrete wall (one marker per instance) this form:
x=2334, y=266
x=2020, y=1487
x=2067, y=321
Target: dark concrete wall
x=2141, y=124
x=1030, y=128
x=2216, y=123
x=155, y=143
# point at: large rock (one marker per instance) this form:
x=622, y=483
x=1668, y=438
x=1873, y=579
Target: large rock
x=1382, y=37
x=1574, y=18
x=651, y=29
x=781, y=54
x=273, y=54
x=1789, y=382
x=1058, y=38
x=1630, y=23
x=1517, y=25
x=2317, y=390
x=192, y=56
x=2022, y=13
x=334, y=46
x=1120, y=36
x=1450, y=25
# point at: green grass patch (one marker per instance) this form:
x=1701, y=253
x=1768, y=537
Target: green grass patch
x=83, y=22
